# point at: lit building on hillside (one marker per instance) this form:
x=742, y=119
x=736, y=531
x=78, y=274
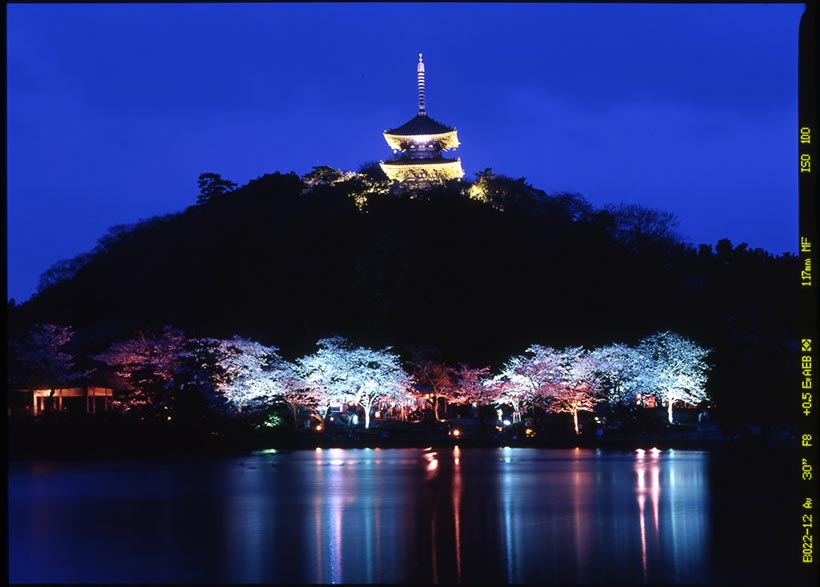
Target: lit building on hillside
x=417, y=147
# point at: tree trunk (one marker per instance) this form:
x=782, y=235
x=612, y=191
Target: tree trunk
x=575, y=420
x=367, y=405
x=669, y=409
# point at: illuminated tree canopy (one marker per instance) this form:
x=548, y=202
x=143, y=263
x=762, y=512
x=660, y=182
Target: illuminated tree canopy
x=343, y=373
x=251, y=376
x=618, y=367
x=434, y=374
x=576, y=387
x=148, y=361
x=557, y=380
x=241, y=378
x=674, y=369
x=526, y=380
x=474, y=386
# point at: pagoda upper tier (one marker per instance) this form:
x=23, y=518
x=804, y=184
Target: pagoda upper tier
x=417, y=146
x=422, y=129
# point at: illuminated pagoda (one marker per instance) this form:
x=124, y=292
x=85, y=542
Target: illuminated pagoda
x=417, y=147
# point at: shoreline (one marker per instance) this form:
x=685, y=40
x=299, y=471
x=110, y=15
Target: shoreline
x=50, y=443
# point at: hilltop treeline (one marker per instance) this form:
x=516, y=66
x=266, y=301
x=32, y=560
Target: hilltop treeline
x=479, y=270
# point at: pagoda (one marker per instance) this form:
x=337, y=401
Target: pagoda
x=417, y=147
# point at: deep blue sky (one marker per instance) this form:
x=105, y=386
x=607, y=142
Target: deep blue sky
x=114, y=110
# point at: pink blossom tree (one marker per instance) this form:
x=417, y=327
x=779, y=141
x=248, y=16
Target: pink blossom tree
x=526, y=381
x=473, y=385
x=558, y=380
x=433, y=373
x=149, y=362
x=576, y=384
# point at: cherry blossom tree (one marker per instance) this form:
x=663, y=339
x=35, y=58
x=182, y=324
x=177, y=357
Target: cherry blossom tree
x=342, y=373
x=575, y=384
x=508, y=393
x=149, y=362
x=526, y=381
x=428, y=371
x=559, y=380
x=618, y=367
x=239, y=377
x=250, y=377
x=674, y=369
x=474, y=386
x=296, y=395
x=41, y=358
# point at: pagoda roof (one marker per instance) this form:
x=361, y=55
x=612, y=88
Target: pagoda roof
x=410, y=162
x=420, y=125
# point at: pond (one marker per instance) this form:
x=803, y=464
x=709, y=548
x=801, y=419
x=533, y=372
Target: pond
x=509, y=515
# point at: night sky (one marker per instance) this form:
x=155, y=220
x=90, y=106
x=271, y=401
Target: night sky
x=114, y=110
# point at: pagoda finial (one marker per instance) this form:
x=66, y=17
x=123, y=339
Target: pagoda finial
x=420, y=69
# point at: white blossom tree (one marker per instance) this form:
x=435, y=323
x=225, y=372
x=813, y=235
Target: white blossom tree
x=508, y=393
x=674, y=369
x=342, y=373
x=618, y=367
x=250, y=377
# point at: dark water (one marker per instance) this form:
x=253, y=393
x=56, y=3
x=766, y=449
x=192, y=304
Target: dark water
x=381, y=516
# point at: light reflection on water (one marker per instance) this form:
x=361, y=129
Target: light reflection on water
x=369, y=516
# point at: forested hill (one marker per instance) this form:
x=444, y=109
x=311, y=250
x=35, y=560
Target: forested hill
x=478, y=270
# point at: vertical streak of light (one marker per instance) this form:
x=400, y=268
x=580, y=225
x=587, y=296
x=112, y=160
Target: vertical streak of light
x=318, y=517
x=336, y=546
x=577, y=488
x=377, y=505
x=507, y=483
x=457, y=509
x=640, y=469
x=641, y=502
x=369, y=531
x=432, y=465
x=655, y=491
x=334, y=500
x=673, y=515
x=431, y=470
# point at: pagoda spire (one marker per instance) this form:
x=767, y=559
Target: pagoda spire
x=420, y=70
x=417, y=148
